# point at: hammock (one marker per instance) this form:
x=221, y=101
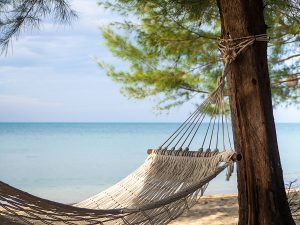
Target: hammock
x=170, y=181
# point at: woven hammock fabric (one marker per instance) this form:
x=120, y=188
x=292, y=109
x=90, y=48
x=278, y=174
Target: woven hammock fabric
x=157, y=192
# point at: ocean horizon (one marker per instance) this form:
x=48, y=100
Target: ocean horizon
x=70, y=161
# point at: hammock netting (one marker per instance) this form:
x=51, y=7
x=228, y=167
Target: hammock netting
x=171, y=179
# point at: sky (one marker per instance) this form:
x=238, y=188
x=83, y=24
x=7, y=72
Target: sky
x=51, y=75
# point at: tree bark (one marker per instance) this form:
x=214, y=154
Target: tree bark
x=262, y=197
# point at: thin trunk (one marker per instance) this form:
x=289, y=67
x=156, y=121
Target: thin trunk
x=262, y=197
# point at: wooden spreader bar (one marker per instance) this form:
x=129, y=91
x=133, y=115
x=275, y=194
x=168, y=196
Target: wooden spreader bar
x=235, y=156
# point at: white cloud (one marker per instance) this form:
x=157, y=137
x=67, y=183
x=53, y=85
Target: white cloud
x=92, y=14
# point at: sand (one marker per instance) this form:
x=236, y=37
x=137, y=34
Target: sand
x=213, y=210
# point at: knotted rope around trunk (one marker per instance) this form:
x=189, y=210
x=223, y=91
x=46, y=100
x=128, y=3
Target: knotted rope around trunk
x=231, y=48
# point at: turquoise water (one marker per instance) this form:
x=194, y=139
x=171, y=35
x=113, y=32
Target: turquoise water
x=68, y=162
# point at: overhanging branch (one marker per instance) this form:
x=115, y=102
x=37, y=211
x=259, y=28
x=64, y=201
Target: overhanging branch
x=287, y=58
x=193, y=90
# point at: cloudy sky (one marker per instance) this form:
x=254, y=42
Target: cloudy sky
x=51, y=75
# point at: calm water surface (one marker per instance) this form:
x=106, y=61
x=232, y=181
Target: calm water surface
x=68, y=162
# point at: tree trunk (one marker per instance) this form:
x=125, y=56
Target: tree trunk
x=262, y=196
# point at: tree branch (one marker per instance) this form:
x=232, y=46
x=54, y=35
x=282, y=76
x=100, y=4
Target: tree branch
x=188, y=29
x=16, y=15
x=288, y=80
x=193, y=90
x=287, y=58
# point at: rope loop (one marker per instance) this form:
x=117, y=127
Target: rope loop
x=231, y=47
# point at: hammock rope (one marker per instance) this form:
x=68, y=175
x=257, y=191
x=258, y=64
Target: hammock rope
x=171, y=180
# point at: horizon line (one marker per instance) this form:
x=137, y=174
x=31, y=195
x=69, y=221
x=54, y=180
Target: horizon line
x=115, y=122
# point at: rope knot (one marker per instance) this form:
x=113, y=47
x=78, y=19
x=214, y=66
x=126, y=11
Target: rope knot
x=229, y=54
x=230, y=48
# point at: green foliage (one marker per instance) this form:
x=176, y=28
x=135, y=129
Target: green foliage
x=171, y=48
x=283, y=18
x=17, y=15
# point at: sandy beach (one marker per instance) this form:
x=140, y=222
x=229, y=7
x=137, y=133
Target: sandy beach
x=214, y=210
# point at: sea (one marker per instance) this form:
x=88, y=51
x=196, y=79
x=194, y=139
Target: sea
x=69, y=162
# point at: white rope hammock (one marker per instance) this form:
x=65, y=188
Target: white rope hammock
x=170, y=181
